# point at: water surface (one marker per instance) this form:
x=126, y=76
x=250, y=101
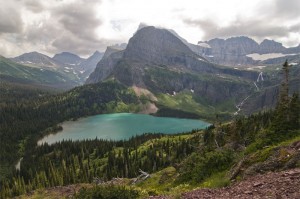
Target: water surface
x=120, y=126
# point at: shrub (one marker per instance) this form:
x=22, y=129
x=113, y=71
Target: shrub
x=197, y=167
x=108, y=192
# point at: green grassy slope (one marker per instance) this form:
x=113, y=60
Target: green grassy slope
x=14, y=72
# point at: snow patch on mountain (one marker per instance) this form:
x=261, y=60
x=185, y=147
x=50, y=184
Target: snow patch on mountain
x=263, y=57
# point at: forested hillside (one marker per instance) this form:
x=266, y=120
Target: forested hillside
x=22, y=122
x=211, y=158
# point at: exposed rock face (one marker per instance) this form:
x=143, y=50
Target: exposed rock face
x=155, y=45
x=271, y=46
x=233, y=51
x=68, y=58
x=151, y=46
x=293, y=49
x=235, y=46
x=110, y=50
x=157, y=60
x=283, y=184
x=14, y=72
x=65, y=63
x=37, y=59
x=105, y=66
x=88, y=66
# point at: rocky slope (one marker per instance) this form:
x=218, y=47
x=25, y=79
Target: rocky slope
x=68, y=58
x=283, y=184
x=36, y=59
x=234, y=50
x=13, y=72
x=88, y=65
x=153, y=47
x=69, y=65
x=157, y=60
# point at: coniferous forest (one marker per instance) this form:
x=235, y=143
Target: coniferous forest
x=196, y=155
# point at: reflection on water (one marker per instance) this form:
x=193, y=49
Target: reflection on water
x=121, y=126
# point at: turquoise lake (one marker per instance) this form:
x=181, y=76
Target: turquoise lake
x=120, y=126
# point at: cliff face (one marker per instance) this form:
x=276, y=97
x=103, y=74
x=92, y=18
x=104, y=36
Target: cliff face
x=105, y=66
x=271, y=46
x=155, y=45
x=37, y=59
x=151, y=46
x=234, y=51
x=157, y=60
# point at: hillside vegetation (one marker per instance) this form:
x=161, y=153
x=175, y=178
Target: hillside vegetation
x=13, y=72
x=225, y=152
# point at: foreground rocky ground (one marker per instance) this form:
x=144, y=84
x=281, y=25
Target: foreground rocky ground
x=285, y=184
x=279, y=185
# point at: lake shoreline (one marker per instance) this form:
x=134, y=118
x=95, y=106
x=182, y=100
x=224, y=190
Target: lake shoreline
x=119, y=126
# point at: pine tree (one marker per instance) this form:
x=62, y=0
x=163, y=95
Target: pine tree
x=294, y=108
x=282, y=114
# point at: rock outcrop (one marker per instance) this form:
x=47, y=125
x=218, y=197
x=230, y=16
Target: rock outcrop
x=68, y=58
x=66, y=63
x=283, y=184
x=157, y=60
x=36, y=59
x=233, y=51
x=271, y=46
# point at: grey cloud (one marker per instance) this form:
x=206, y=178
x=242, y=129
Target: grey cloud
x=75, y=28
x=34, y=6
x=71, y=27
x=10, y=20
x=42, y=34
x=287, y=8
x=295, y=28
x=71, y=43
x=79, y=18
x=256, y=28
x=269, y=21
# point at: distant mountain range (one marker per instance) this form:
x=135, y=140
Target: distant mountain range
x=12, y=72
x=68, y=64
x=159, y=62
x=243, y=51
x=177, y=77
x=184, y=79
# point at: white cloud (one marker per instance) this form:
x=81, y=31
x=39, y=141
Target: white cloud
x=83, y=26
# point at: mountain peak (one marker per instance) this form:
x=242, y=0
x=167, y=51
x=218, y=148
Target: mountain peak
x=68, y=58
x=268, y=42
x=33, y=53
x=65, y=54
x=154, y=45
x=96, y=51
x=35, y=58
x=267, y=46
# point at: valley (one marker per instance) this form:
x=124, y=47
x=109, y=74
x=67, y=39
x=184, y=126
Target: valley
x=155, y=117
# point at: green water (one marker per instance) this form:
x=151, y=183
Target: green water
x=120, y=126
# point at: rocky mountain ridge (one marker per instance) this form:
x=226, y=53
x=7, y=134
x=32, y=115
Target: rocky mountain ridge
x=16, y=73
x=159, y=47
x=157, y=60
x=234, y=50
x=68, y=64
x=36, y=59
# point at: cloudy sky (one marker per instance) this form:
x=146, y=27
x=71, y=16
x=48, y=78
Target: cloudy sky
x=83, y=26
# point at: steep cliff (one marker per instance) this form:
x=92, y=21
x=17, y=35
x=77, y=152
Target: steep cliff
x=233, y=51
x=157, y=60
